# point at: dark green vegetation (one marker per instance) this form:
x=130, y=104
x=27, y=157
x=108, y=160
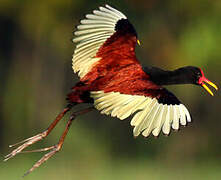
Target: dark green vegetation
x=35, y=75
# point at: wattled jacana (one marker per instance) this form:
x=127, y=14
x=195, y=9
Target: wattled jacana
x=112, y=79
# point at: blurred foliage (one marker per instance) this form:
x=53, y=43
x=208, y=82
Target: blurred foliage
x=35, y=75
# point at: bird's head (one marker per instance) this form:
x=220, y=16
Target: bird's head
x=183, y=75
x=197, y=77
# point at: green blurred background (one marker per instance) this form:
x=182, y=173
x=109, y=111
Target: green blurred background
x=36, y=74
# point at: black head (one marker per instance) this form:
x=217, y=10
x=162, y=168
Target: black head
x=195, y=75
x=191, y=74
x=184, y=75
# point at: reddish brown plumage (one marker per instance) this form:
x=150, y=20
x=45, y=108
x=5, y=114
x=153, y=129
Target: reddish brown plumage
x=105, y=60
x=118, y=70
x=116, y=53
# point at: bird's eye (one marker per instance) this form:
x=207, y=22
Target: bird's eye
x=198, y=74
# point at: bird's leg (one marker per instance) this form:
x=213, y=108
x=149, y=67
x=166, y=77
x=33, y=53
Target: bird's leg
x=58, y=146
x=36, y=138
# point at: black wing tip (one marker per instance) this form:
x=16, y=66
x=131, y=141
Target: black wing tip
x=123, y=25
x=168, y=98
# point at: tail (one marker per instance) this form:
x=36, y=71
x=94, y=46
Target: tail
x=80, y=94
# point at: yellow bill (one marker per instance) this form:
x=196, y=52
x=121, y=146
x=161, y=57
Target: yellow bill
x=206, y=87
x=211, y=84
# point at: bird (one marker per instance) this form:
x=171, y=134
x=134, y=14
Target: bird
x=114, y=82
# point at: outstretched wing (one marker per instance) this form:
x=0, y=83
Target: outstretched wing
x=104, y=33
x=130, y=92
x=150, y=115
x=106, y=63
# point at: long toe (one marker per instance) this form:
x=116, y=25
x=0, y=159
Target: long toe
x=55, y=149
x=27, y=143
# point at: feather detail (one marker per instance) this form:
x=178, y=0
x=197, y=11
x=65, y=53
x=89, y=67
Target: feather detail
x=150, y=116
x=91, y=34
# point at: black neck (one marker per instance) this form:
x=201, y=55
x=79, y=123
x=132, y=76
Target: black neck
x=162, y=77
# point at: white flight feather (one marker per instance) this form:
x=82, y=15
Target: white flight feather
x=187, y=113
x=142, y=120
x=176, y=115
x=160, y=121
x=96, y=39
x=90, y=22
x=95, y=17
x=137, y=119
x=116, y=110
x=139, y=108
x=149, y=114
x=126, y=110
x=166, y=125
x=103, y=9
x=116, y=11
x=93, y=26
x=149, y=126
x=92, y=33
x=182, y=116
x=104, y=14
